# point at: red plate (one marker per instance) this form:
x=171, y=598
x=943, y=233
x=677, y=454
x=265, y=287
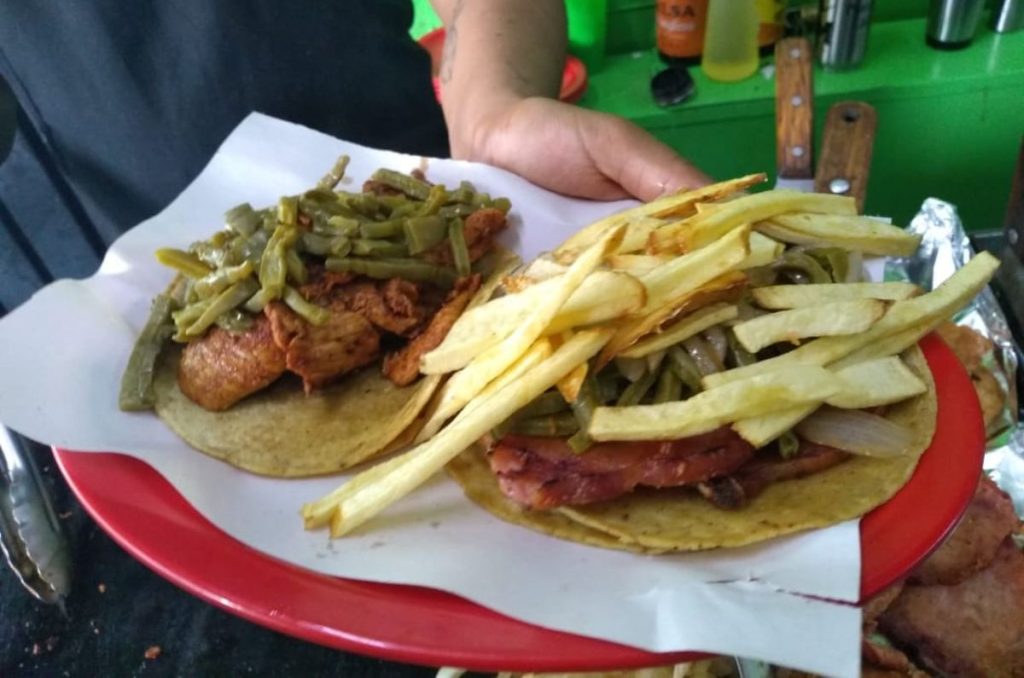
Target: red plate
x=148, y=517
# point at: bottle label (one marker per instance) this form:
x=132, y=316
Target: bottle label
x=680, y=27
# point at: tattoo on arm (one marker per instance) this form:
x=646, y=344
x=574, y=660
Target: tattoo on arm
x=450, y=40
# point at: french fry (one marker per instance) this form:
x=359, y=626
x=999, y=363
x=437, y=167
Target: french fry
x=727, y=287
x=678, y=204
x=638, y=264
x=907, y=316
x=851, y=232
x=825, y=320
x=603, y=295
x=682, y=329
x=793, y=296
x=538, y=270
x=484, y=367
x=876, y=382
x=763, y=251
x=372, y=491
x=708, y=410
x=867, y=384
x=569, y=385
x=637, y=234
x=535, y=355
x=707, y=227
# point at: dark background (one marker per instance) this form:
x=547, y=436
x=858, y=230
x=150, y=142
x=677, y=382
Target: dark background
x=118, y=609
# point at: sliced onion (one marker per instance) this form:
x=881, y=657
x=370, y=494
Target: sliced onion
x=716, y=337
x=703, y=355
x=631, y=368
x=856, y=431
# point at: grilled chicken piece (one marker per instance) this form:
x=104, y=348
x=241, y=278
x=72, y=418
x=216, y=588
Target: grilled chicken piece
x=544, y=473
x=986, y=523
x=322, y=353
x=975, y=628
x=481, y=227
x=403, y=366
x=223, y=367
x=322, y=284
x=392, y=306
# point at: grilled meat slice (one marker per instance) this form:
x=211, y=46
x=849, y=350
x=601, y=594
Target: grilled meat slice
x=735, y=491
x=322, y=284
x=975, y=628
x=972, y=546
x=481, y=228
x=221, y=368
x=544, y=473
x=322, y=353
x=403, y=366
x=392, y=306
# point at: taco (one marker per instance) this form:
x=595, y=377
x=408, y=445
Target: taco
x=534, y=481
x=541, y=469
x=289, y=345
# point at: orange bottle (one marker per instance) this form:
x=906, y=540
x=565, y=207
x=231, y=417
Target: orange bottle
x=680, y=30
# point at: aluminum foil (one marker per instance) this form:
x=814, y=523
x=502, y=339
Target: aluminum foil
x=944, y=248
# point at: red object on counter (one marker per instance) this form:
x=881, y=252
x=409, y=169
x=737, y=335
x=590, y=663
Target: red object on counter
x=574, y=78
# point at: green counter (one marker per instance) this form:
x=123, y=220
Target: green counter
x=949, y=123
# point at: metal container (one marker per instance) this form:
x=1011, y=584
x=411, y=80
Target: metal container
x=953, y=23
x=1008, y=16
x=844, y=33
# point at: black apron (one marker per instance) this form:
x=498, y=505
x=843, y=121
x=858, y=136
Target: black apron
x=121, y=104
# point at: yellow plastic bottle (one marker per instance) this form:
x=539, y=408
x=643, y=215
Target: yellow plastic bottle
x=730, y=40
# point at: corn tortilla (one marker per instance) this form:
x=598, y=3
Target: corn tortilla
x=678, y=520
x=284, y=433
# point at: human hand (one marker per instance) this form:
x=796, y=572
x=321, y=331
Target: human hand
x=575, y=151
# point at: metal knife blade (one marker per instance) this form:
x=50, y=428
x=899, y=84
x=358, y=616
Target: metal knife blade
x=30, y=534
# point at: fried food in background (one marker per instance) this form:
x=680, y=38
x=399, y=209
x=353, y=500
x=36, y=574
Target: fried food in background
x=971, y=348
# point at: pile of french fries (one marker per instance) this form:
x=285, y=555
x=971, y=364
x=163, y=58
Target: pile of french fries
x=639, y=281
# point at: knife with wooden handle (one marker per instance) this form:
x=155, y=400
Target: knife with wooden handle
x=846, y=147
x=794, y=115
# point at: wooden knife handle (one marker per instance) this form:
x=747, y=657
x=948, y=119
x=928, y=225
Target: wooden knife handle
x=794, y=109
x=844, y=160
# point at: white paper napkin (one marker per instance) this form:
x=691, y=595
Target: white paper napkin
x=61, y=356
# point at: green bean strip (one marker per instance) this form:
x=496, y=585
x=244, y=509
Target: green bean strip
x=801, y=262
x=257, y=302
x=435, y=201
x=670, y=387
x=234, y=321
x=684, y=368
x=218, y=281
x=331, y=179
x=242, y=219
x=451, y=211
x=835, y=259
x=317, y=244
x=343, y=226
x=183, y=262
x=503, y=204
x=555, y=425
x=551, y=402
x=587, y=400
x=460, y=253
x=365, y=247
x=422, y=233
x=227, y=300
x=635, y=392
x=273, y=265
x=296, y=267
x=409, y=269
x=137, y=381
x=463, y=194
x=311, y=312
x=381, y=229
x=288, y=210
x=789, y=445
x=412, y=187
x=367, y=205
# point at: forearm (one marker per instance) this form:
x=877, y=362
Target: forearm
x=496, y=52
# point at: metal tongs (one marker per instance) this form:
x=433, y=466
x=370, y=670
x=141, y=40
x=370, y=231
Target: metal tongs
x=31, y=537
